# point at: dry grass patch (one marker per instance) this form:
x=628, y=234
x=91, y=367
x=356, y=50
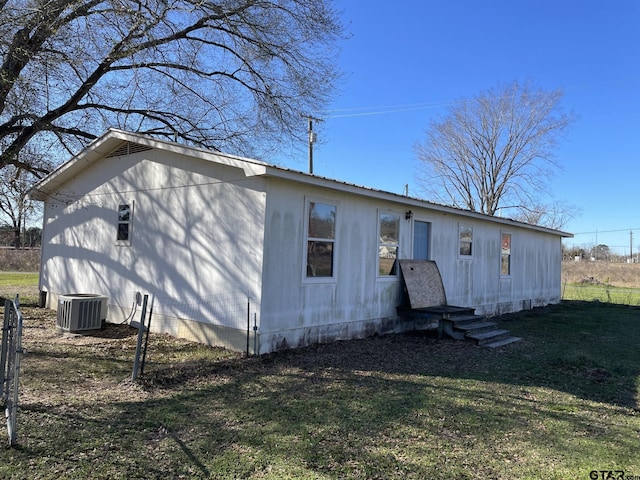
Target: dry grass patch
x=601, y=281
x=615, y=274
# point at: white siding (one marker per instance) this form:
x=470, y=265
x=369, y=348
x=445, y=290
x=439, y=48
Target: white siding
x=356, y=302
x=196, y=231
x=476, y=281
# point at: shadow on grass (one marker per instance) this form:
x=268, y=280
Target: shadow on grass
x=402, y=405
x=325, y=421
x=588, y=350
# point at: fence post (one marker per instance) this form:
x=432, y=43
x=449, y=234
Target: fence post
x=136, y=360
x=12, y=404
x=255, y=333
x=146, y=337
x=248, y=323
x=5, y=346
x=10, y=359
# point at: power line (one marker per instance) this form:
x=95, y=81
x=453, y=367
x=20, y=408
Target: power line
x=408, y=107
x=607, y=231
x=389, y=109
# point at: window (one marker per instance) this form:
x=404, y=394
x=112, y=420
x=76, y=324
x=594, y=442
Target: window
x=321, y=238
x=389, y=241
x=421, y=240
x=505, y=264
x=123, y=235
x=466, y=240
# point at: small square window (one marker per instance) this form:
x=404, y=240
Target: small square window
x=319, y=259
x=123, y=232
x=124, y=213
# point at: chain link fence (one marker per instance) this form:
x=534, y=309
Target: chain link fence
x=230, y=319
x=10, y=355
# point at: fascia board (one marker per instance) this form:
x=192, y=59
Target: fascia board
x=407, y=202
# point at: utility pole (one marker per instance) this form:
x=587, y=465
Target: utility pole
x=312, y=139
x=630, y=246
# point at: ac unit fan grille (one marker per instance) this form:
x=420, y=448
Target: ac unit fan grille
x=81, y=312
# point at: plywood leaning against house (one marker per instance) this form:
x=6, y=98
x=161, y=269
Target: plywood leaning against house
x=423, y=283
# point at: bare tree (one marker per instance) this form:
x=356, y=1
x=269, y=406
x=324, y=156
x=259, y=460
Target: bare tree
x=495, y=150
x=552, y=215
x=16, y=208
x=225, y=74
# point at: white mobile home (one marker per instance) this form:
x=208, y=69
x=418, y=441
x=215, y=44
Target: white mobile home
x=226, y=244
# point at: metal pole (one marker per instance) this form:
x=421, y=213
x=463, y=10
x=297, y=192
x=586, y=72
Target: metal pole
x=136, y=360
x=311, y=138
x=5, y=344
x=12, y=412
x=255, y=333
x=310, y=145
x=248, y=323
x=146, y=338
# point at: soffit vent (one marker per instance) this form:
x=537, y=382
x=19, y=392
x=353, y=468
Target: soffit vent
x=128, y=148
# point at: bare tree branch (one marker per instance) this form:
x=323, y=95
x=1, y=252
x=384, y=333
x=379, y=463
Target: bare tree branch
x=230, y=74
x=16, y=209
x=495, y=149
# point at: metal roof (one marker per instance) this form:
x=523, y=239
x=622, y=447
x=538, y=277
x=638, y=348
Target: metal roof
x=118, y=142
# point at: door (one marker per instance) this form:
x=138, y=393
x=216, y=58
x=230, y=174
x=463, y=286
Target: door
x=421, y=240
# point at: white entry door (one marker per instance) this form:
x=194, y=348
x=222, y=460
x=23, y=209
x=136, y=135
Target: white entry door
x=421, y=240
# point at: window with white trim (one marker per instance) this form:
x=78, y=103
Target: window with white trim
x=388, y=243
x=466, y=240
x=505, y=258
x=125, y=217
x=321, y=239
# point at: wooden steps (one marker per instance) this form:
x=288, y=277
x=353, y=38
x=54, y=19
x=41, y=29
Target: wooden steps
x=426, y=307
x=460, y=323
x=477, y=329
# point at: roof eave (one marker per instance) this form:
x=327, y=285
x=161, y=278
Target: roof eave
x=112, y=139
x=301, y=177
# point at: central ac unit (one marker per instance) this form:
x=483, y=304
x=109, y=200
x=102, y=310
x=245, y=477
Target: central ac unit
x=80, y=312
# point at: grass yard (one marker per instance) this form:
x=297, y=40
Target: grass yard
x=18, y=279
x=561, y=404
x=24, y=284
x=602, y=293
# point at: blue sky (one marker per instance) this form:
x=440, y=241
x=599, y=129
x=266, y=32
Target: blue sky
x=405, y=61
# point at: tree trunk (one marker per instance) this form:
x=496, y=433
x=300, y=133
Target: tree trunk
x=16, y=239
